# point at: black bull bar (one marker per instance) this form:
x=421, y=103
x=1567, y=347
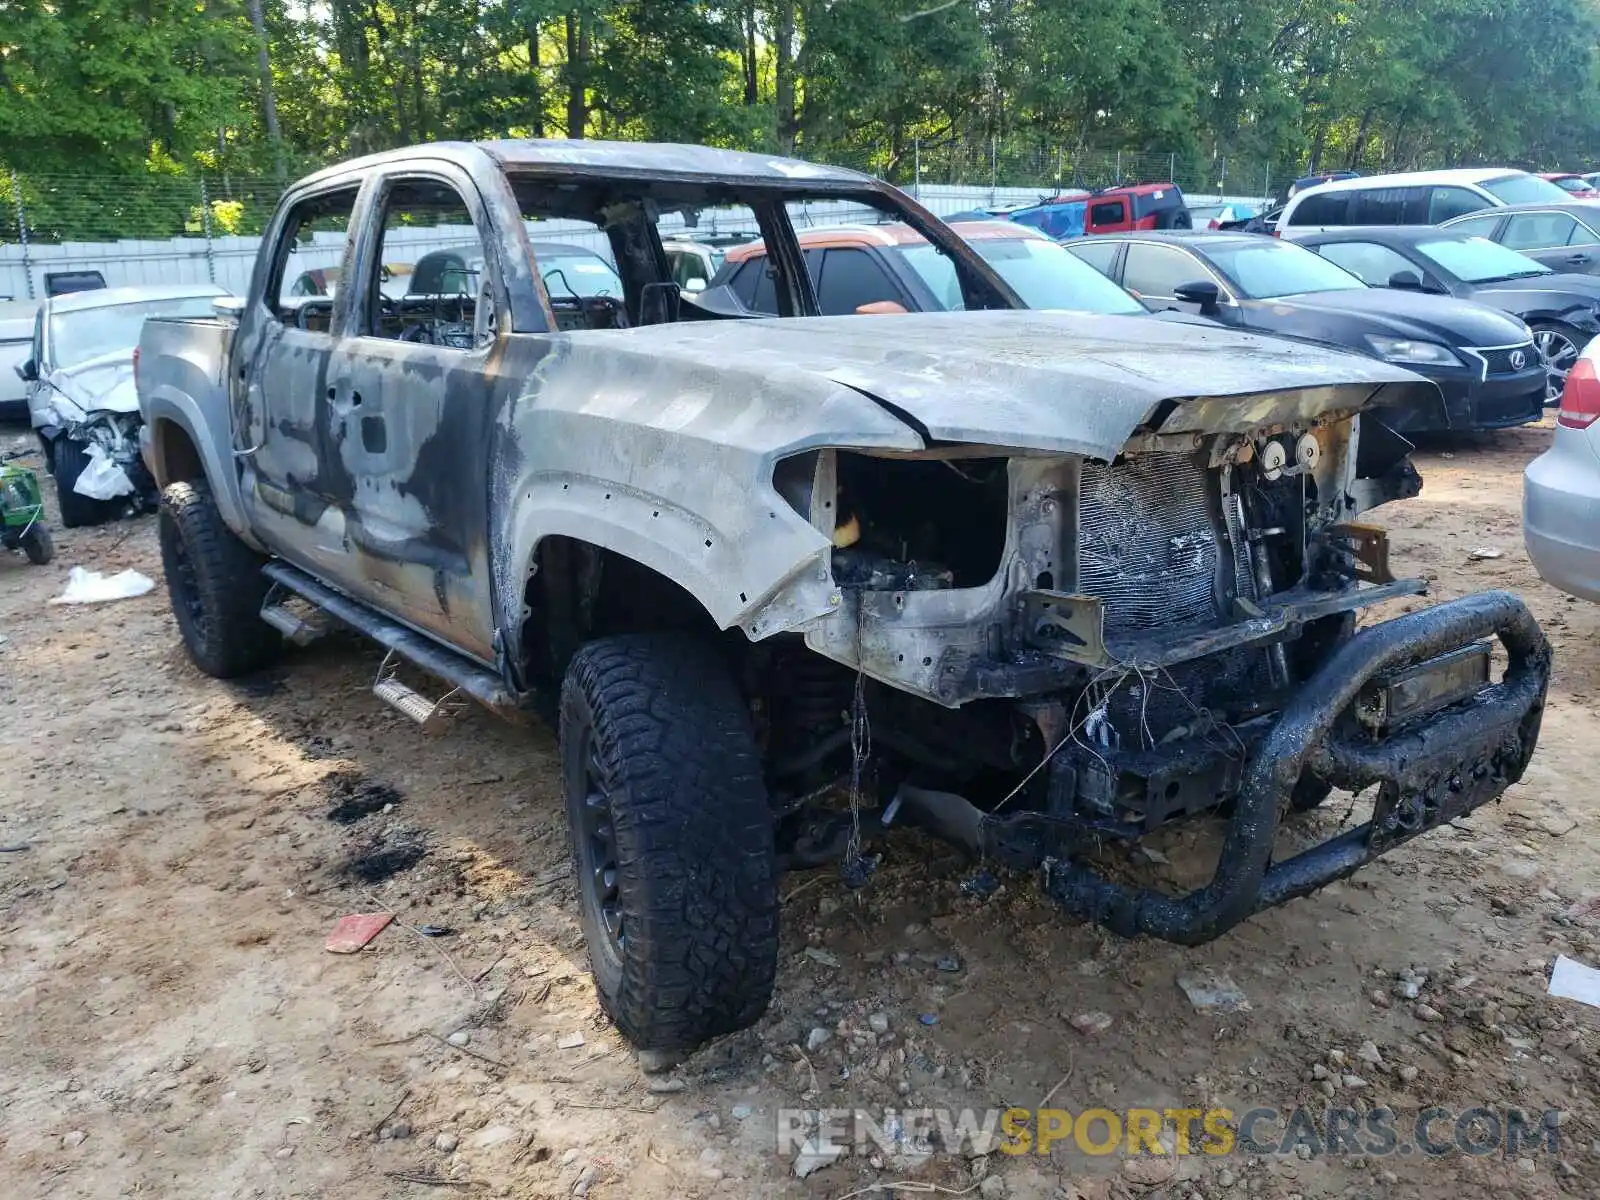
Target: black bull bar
x=1431, y=771
x=1440, y=769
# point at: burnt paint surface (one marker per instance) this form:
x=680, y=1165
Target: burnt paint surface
x=659, y=443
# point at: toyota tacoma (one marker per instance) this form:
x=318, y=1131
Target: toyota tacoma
x=1037, y=582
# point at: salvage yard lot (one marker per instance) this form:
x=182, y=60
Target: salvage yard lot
x=171, y=1025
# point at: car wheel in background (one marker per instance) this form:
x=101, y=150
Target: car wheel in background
x=37, y=544
x=1560, y=344
x=69, y=461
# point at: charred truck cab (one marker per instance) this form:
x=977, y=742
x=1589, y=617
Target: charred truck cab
x=1040, y=582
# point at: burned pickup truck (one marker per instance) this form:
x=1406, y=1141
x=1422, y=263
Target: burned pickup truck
x=1040, y=582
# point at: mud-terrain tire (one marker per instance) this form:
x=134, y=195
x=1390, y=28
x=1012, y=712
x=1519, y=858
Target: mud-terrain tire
x=37, y=544
x=672, y=839
x=70, y=460
x=216, y=585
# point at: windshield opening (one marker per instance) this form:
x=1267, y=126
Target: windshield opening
x=1478, y=260
x=1271, y=269
x=1042, y=273
x=1523, y=189
x=77, y=337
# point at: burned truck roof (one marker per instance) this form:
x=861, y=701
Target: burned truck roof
x=664, y=160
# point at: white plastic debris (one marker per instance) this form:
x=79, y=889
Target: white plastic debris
x=1483, y=552
x=1212, y=991
x=1574, y=981
x=102, y=479
x=91, y=587
x=814, y=1156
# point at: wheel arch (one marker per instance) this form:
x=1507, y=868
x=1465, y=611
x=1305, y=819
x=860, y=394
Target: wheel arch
x=182, y=444
x=597, y=581
x=664, y=551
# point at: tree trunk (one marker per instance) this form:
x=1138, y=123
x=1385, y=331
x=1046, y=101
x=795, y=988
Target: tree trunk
x=783, y=78
x=752, y=62
x=577, y=75
x=269, y=100
x=1319, y=144
x=1359, y=147
x=536, y=87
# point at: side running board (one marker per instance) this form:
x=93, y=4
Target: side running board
x=463, y=675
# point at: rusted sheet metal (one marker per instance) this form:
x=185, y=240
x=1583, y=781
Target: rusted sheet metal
x=667, y=457
x=660, y=442
x=1050, y=381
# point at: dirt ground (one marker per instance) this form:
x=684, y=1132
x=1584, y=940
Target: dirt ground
x=171, y=1026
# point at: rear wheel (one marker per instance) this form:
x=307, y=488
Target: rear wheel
x=216, y=585
x=1560, y=344
x=69, y=461
x=37, y=544
x=672, y=839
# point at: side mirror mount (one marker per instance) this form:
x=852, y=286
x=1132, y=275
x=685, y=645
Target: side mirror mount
x=27, y=371
x=881, y=308
x=1202, y=292
x=1406, y=281
x=228, y=307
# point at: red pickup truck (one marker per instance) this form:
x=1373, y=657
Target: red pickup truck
x=1143, y=206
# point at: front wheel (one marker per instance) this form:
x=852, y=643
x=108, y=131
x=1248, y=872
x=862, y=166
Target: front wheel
x=69, y=461
x=672, y=839
x=37, y=544
x=216, y=585
x=1560, y=344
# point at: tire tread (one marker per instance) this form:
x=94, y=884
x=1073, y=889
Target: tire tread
x=694, y=836
x=228, y=577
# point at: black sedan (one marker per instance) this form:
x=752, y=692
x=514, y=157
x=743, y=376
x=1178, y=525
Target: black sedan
x=1562, y=310
x=1484, y=361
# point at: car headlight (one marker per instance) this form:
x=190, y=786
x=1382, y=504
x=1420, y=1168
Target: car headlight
x=1404, y=350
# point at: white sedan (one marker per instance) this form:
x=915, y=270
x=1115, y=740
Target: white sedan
x=81, y=400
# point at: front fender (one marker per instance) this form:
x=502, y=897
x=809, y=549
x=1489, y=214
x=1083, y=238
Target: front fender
x=171, y=411
x=732, y=571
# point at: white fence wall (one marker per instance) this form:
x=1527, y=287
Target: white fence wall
x=228, y=261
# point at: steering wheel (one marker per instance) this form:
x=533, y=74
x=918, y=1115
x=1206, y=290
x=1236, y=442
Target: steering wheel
x=303, y=314
x=603, y=312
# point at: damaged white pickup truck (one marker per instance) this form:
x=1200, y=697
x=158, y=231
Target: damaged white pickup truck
x=1038, y=582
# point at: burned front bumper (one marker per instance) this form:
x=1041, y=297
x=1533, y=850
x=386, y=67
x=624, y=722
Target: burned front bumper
x=1429, y=771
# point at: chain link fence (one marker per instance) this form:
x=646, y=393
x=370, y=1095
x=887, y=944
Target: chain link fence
x=195, y=229
x=133, y=229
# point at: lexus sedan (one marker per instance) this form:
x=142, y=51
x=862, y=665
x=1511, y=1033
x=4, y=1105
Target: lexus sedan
x=1563, y=310
x=1484, y=361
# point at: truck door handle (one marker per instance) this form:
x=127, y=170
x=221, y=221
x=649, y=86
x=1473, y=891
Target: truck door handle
x=1577, y=258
